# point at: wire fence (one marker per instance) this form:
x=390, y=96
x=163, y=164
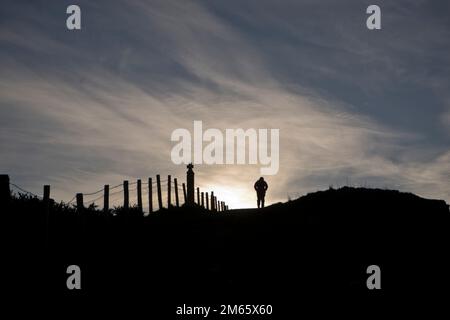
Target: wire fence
x=23, y=191
x=137, y=193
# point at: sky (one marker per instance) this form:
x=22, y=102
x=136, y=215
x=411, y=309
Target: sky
x=84, y=108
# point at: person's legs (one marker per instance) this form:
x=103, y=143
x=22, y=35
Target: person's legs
x=259, y=200
x=262, y=202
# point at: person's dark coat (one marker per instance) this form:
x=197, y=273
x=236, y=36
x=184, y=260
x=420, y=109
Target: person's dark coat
x=261, y=187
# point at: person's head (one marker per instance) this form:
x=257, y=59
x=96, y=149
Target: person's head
x=261, y=179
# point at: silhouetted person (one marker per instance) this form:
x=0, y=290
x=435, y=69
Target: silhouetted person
x=261, y=187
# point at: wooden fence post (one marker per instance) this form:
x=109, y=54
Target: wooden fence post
x=184, y=192
x=207, y=202
x=215, y=203
x=198, y=195
x=150, y=195
x=46, y=200
x=46, y=197
x=139, y=195
x=106, y=198
x=203, y=200
x=212, y=200
x=126, y=195
x=158, y=186
x=176, y=192
x=80, y=205
x=190, y=185
x=5, y=192
x=169, y=184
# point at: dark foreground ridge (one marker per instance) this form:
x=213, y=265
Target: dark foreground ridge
x=318, y=246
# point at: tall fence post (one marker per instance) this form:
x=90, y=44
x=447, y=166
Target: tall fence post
x=207, y=202
x=150, y=195
x=80, y=205
x=106, y=198
x=5, y=192
x=215, y=203
x=198, y=195
x=139, y=195
x=177, y=202
x=46, y=200
x=169, y=193
x=158, y=186
x=184, y=193
x=212, y=200
x=126, y=195
x=190, y=185
x=203, y=200
x=46, y=197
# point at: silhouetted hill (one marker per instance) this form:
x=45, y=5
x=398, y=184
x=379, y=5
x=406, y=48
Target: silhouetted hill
x=317, y=246
x=348, y=197
x=361, y=205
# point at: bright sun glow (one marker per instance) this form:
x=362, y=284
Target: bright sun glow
x=234, y=197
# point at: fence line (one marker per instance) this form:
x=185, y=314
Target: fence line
x=92, y=193
x=166, y=191
x=71, y=200
x=23, y=190
x=93, y=201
